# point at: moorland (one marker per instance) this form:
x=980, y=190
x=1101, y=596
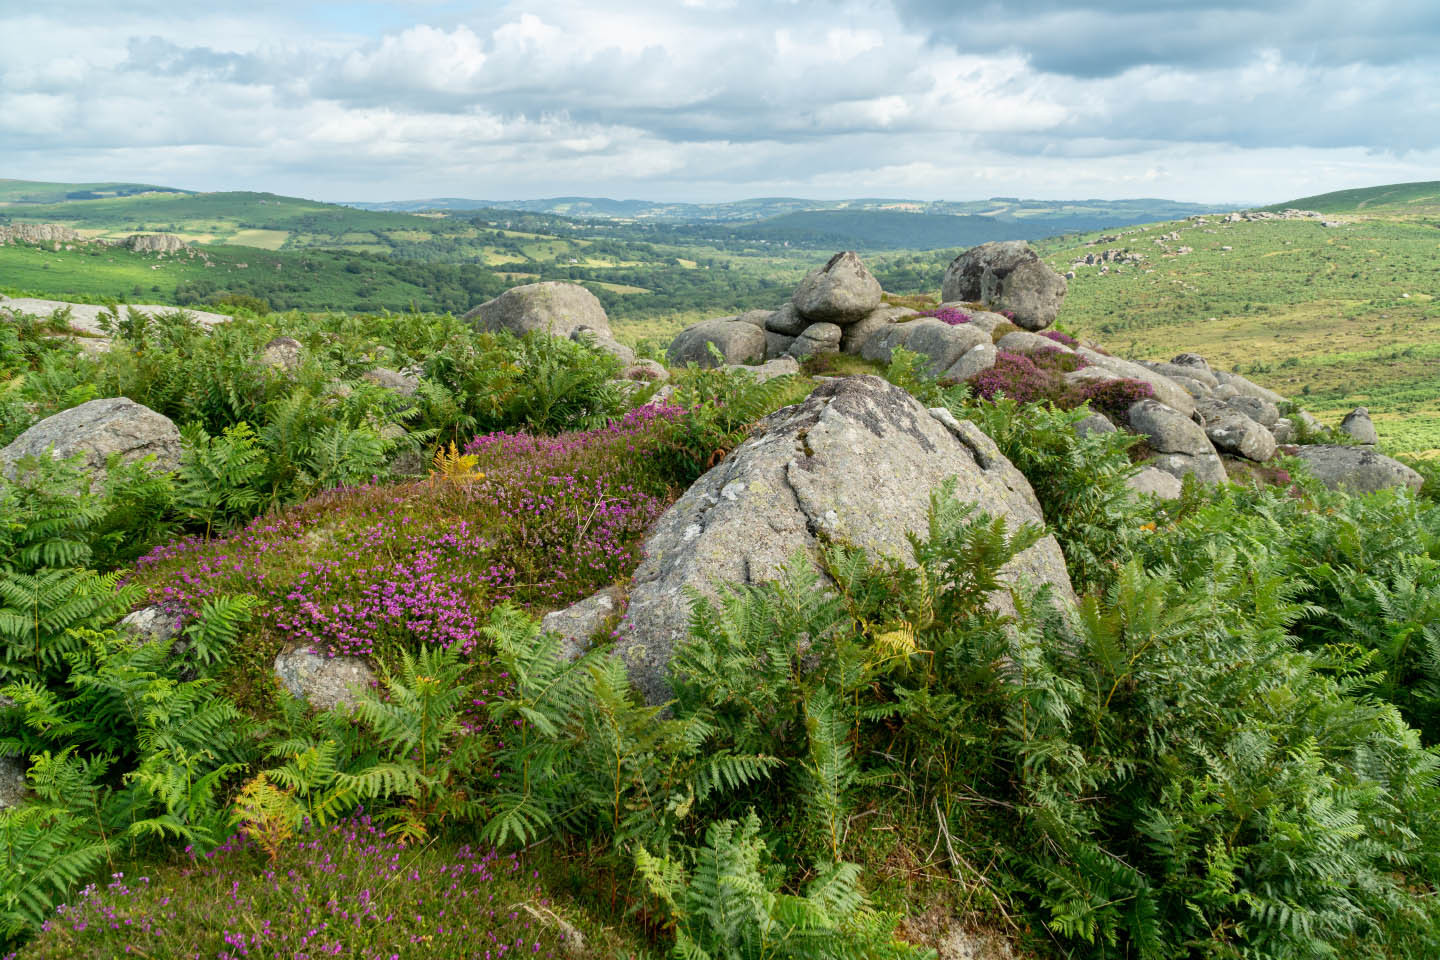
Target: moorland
x=1209, y=730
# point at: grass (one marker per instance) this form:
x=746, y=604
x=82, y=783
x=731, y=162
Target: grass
x=1332, y=317
x=264, y=239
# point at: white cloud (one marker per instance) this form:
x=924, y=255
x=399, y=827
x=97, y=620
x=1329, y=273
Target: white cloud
x=700, y=100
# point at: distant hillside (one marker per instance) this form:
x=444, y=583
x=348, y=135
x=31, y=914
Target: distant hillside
x=1094, y=214
x=35, y=191
x=1421, y=198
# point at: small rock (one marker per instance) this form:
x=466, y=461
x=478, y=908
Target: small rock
x=1095, y=423
x=977, y=359
x=281, y=354
x=578, y=623
x=405, y=383
x=757, y=317
x=1157, y=483
x=779, y=367
x=649, y=371
x=786, y=321
x=1029, y=344
x=1357, y=424
x=1283, y=430
x=152, y=624
x=816, y=338
x=1247, y=388
x=1182, y=446
x=1231, y=431
x=323, y=681
x=777, y=345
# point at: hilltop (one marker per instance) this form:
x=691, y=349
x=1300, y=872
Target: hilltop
x=1406, y=199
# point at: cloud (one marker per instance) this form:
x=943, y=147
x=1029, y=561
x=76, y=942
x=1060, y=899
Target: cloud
x=712, y=99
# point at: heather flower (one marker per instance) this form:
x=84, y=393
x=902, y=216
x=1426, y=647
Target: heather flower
x=948, y=314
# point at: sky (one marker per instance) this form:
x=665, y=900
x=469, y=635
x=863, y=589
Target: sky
x=713, y=100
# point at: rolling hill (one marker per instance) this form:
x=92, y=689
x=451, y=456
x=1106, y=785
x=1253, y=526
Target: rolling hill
x=1421, y=199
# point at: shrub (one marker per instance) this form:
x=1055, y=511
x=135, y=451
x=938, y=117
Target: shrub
x=1111, y=397
x=948, y=314
x=347, y=890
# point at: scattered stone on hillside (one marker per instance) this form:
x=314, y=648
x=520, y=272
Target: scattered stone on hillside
x=1181, y=445
x=1167, y=391
x=1261, y=411
x=777, y=345
x=152, y=624
x=556, y=307
x=855, y=462
x=737, y=341
x=819, y=337
x=1247, y=388
x=786, y=321
x=404, y=382
x=1023, y=341
x=1155, y=482
x=323, y=681
x=1200, y=373
x=942, y=343
x=1283, y=430
x=602, y=341
x=154, y=243
x=1307, y=420
x=47, y=233
x=779, y=367
x=1359, y=469
x=977, y=359
x=840, y=292
x=757, y=317
x=579, y=622
x=1007, y=275
x=650, y=371
x=96, y=430
x=1094, y=423
x=1357, y=424
x=281, y=354
x=1231, y=431
x=854, y=335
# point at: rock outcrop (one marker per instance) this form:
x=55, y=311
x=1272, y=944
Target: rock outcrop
x=856, y=462
x=154, y=243
x=96, y=430
x=1007, y=276
x=553, y=306
x=1358, y=469
x=1181, y=446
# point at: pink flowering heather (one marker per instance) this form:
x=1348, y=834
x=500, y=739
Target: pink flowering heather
x=347, y=891
x=948, y=314
x=1059, y=337
x=542, y=521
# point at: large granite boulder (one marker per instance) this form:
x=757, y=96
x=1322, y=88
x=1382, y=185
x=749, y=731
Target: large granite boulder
x=1029, y=344
x=1006, y=276
x=941, y=342
x=737, y=341
x=841, y=292
x=96, y=430
x=1356, y=468
x=1180, y=444
x=578, y=623
x=554, y=306
x=787, y=321
x=1233, y=384
x=972, y=362
x=855, y=462
x=321, y=680
x=1156, y=483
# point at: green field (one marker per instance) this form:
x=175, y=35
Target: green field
x=1335, y=317
x=1419, y=199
